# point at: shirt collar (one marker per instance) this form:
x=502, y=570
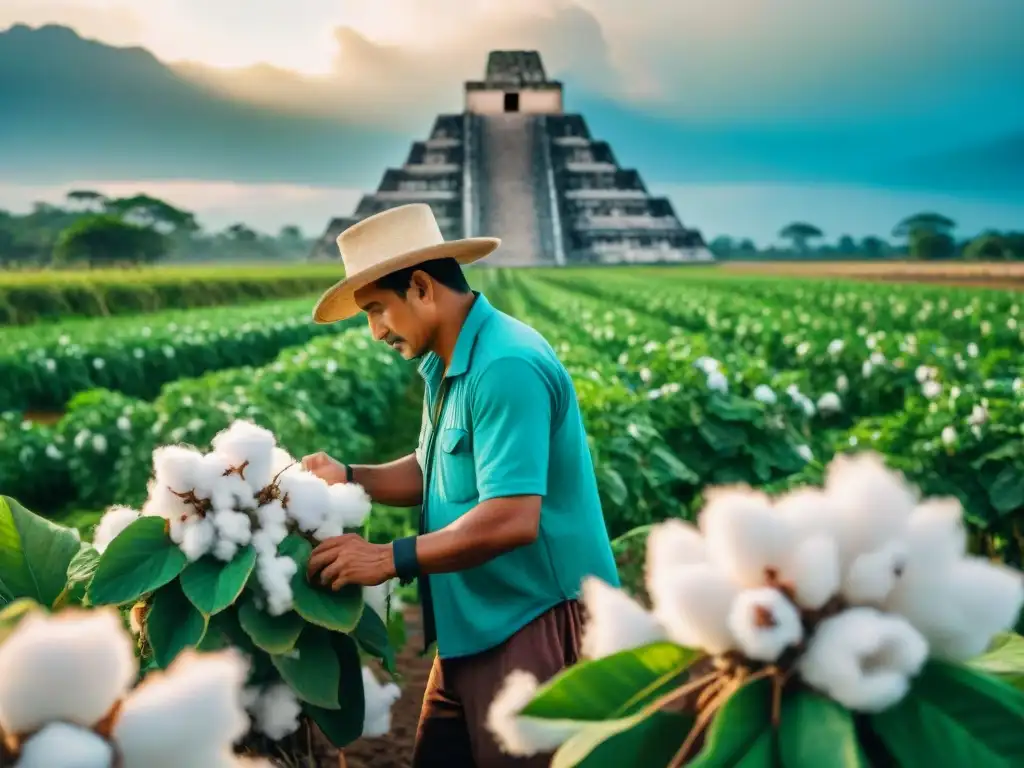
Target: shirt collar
x=475, y=319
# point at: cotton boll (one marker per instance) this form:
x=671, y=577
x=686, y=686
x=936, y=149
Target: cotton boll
x=873, y=502
x=272, y=515
x=764, y=623
x=178, y=466
x=308, y=499
x=266, y=539
x=809, y=512
x=813, y=571
x=60, y=745
x=378, y=699
x=524, y=736
x=163, y=502
x=872, y=576
x=113, y=522
x=280, y=461
x=331, y=526
x=960, y=609
x=350, y=502
x=744, y=537
x=276, y=711
x=197, y=538
x=863, y=659
x=936, y=536
x=72, y=666
x=247, y=443
x=615, y=622
x=225, y=489
x=275, y=576
x=692, y=602
x=376, y=597
x=233, y=526
x=673, y=543
x=196, y=705
x=225, y=550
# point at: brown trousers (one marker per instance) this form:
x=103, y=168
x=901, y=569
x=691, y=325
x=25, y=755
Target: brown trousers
x=452, y=730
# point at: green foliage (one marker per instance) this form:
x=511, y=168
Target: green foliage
x=317, y=649
x=927, y=245
x=103, y=239
x=800, y=233
x=30, y=297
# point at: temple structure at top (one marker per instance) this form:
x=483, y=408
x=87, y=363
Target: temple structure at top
x=513, y=165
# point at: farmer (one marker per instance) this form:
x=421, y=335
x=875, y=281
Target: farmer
x=510, y=520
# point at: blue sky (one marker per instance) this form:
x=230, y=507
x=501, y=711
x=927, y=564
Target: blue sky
x=741, y=110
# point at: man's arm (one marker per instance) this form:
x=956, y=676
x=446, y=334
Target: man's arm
x=398, y=483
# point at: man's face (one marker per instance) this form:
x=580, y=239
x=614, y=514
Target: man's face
x=405, y=324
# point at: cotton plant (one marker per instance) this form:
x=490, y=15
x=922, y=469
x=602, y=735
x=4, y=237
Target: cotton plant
x=852, y=603
x=216, y=556
x=69, y=699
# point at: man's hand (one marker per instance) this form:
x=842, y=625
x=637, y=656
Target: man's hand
x=350, y=559
x=323, y=466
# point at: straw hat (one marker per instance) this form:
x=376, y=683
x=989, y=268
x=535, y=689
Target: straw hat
x=387, y=242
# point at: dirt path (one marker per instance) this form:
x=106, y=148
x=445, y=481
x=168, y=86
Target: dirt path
x=395, y=749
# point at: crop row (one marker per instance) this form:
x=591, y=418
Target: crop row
x=43, y=366
x=331, y=394
x=948, y=413
x=30, y=297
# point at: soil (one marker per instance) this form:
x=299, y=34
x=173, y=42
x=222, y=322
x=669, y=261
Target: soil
x=1009, y=276
x=395, y=749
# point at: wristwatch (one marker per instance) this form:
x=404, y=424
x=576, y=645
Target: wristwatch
x=348, y=472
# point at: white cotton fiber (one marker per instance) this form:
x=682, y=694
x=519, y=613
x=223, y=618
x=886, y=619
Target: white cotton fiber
x=308, y=499
x=72, y=666
x=247, y=443
x=113, y=522
x=179, y=466
x=61, y=745
x=378, y=702
x=524, y=736
x=275, y=711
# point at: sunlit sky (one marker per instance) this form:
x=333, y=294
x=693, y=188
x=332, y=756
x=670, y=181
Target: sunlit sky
x=945, y=73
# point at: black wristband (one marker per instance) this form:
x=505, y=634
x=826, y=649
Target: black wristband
x=349, y=474
x=407, y=567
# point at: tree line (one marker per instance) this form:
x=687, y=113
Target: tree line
x=924, y=236
x=95, y=230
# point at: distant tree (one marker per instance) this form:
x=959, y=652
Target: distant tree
x=800, y=233
x=722, y=245
x=290, y=233
x=746, y=245
x=995, y=246
x=845, y=244
x=86, y=199
x=930, y=246
x=153, y=212
x=873, y=246
x=240, y=233
x=106, y=239
x=924, y=222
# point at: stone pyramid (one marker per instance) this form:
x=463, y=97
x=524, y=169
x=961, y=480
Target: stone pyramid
x=513, y=165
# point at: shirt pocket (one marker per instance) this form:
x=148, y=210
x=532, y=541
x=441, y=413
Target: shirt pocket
x=457, y=470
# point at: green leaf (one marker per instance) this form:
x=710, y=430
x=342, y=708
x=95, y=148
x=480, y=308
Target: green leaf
x=816, y=731
x=724, y=438
x=338, y=611
x=173, y=624
x=141, y=559
x=273, y=634
x=396, y=630
x=737, y=728
x=311, y=668
x=80, y=572
x=1007, y=491
x=212, y=585
x=372, y=636
x=653, y=741
x=14, y=612
x=733, y=408
x=1005, y=659
x=668, y=466
x=34, y=554
x=343, y=725
x=612, y=687
x=955, y=715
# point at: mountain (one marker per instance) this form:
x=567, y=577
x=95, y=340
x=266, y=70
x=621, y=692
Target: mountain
x=80, y=109
x=76, y=108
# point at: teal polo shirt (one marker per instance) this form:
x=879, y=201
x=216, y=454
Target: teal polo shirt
x=510, y=425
